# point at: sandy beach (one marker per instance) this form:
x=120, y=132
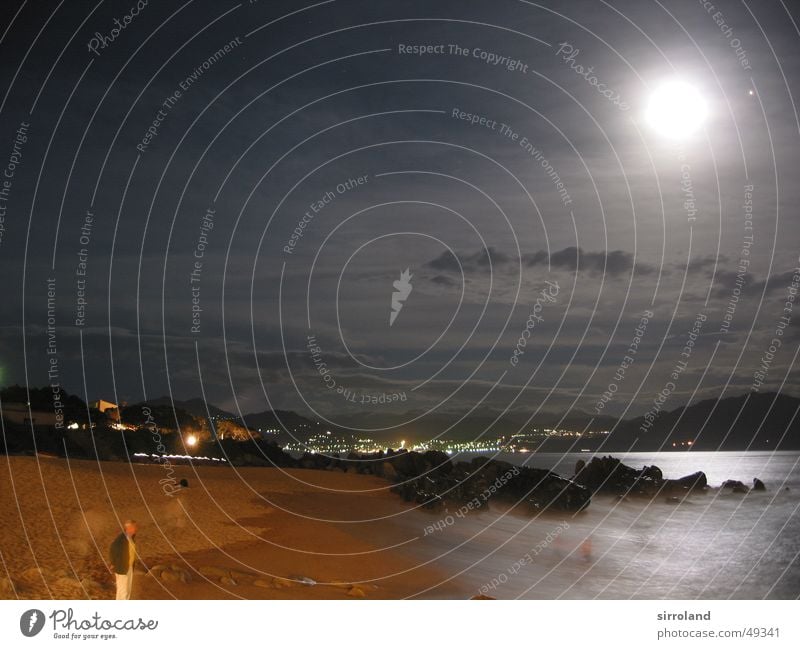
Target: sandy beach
x=256, y=533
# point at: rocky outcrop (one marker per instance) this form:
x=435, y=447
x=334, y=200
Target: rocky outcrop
x=693, y=482
x=737, y=486
x=432, y=479
x=609, y=475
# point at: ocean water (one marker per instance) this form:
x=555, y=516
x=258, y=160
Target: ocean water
x=714, y=545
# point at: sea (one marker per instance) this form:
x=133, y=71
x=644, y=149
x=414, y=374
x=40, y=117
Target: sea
x=711, y=545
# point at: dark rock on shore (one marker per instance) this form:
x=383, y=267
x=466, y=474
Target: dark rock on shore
x=737, y=486
x=693, y=482
x=433, y=479
x=609, y=475
x=758, y=485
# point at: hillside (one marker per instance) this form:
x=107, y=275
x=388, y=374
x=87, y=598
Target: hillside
x=751, y=421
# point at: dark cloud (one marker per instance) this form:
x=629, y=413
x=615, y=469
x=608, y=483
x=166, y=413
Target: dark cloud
x=482, y=259
x=443, y=280
x=727, y=280
x=775, y=282
x=706, y=263
x=613, y=262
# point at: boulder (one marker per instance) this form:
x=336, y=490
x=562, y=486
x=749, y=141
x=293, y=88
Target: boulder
x=388, y=471
x=228, y=581
x=354, y=463
x=608, y=474
x=263, y=583
x=695, y=481
x=758, y=485
x=408, y=464
x=438, y=461
x=355, y=591
x=337, y=465
x=371, y=463
x=403, y=464
x=736, y=486
x=653, y=473
x=552, y=492
x=475, y=483
x=431, y=479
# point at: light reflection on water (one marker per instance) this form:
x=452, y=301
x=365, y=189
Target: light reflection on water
x=712, y=545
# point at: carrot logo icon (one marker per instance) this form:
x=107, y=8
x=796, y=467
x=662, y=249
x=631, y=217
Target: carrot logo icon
x=402, y=289
x=31, y=622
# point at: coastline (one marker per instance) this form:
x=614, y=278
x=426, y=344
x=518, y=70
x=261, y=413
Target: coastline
x=303, y=533
x=258, y=536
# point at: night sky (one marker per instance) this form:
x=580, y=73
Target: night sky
x=218, y=199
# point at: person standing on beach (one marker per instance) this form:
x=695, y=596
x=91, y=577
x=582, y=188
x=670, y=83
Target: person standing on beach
x=123, y=556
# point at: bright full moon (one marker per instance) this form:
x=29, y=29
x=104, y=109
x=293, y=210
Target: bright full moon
x=676, y=109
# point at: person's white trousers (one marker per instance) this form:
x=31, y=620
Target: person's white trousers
x=124, y=585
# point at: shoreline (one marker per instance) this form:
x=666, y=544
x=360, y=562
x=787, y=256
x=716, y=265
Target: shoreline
x=278, y=528
x=267, y=533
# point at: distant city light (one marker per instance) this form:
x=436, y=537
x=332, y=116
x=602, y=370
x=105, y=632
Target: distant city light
x=326, y=442
x=174, y=456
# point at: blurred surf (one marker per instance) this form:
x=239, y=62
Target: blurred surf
x=713, y=545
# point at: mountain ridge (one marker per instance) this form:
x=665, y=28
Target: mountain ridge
x=757, y=421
